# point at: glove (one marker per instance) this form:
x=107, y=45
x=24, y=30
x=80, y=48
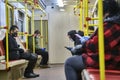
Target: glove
x=74, y=49
x=84, y=39
x=78, y=46
x=21, y=50
x=43, y=49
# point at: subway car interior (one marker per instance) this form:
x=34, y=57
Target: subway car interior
x=38, y=39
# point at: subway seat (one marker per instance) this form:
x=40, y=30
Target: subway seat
x=94, y=74
x=23, y=46
x=15, y=68
x=11, y=63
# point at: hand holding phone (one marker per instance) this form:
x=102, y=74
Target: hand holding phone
x=68, y=48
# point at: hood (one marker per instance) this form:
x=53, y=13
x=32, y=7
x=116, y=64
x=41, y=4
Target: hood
x=114, y=19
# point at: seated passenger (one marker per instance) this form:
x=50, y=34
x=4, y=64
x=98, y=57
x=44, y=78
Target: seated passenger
x=38, y=50
x=89, y=56
x=16, y=53
x=77, y=43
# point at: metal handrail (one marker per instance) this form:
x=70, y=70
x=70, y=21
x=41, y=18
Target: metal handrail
x=100, y=34
x=101, y=40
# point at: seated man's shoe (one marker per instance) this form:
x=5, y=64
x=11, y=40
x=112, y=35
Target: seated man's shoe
x=44, y=66
x=30, y=75
x=37, y=75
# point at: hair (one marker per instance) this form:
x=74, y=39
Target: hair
x=111, y=7
x=13, y=27
x=37, y=32
x=72, y=34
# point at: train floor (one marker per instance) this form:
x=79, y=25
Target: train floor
x=56, y=72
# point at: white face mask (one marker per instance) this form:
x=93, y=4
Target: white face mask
x=37, y=36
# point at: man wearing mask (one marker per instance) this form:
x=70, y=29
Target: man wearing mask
x=16, y=53
x=38, y=49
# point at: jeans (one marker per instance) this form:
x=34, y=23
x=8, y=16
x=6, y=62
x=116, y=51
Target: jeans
x=44, y=55
x=73, y=68
x=32, y=58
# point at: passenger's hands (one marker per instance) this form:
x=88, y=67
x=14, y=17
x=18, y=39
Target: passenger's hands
x=74, y=49
x=69, y=48
x=43, y=49
x=78, y=46
x=21, y=50
x=26, y=50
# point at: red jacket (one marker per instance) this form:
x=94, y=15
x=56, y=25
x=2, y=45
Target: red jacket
x=112, y=46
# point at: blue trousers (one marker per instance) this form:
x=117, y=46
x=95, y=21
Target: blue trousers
x=73, y=67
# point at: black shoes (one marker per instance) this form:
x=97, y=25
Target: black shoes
x=31, y=75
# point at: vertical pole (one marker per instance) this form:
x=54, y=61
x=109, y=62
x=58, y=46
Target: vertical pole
x=86, y=15
x=26, y=25
x=33, y=30
x=13, y=14
x=81, y=15
x=7, y=23
x=46, y=36
x=101, y=40
x=41, y=28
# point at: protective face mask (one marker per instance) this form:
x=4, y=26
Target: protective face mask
x=14, y=34
x=37, y=36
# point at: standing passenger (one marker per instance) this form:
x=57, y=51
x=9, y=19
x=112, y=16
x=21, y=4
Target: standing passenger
x=89, y=51
x=16, y=53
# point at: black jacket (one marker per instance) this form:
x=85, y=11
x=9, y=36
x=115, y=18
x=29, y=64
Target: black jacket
x=77, y=41
x=13, y=47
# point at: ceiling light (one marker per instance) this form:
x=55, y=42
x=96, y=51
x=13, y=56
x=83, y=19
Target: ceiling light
x=60, y=3
x=62, y=9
